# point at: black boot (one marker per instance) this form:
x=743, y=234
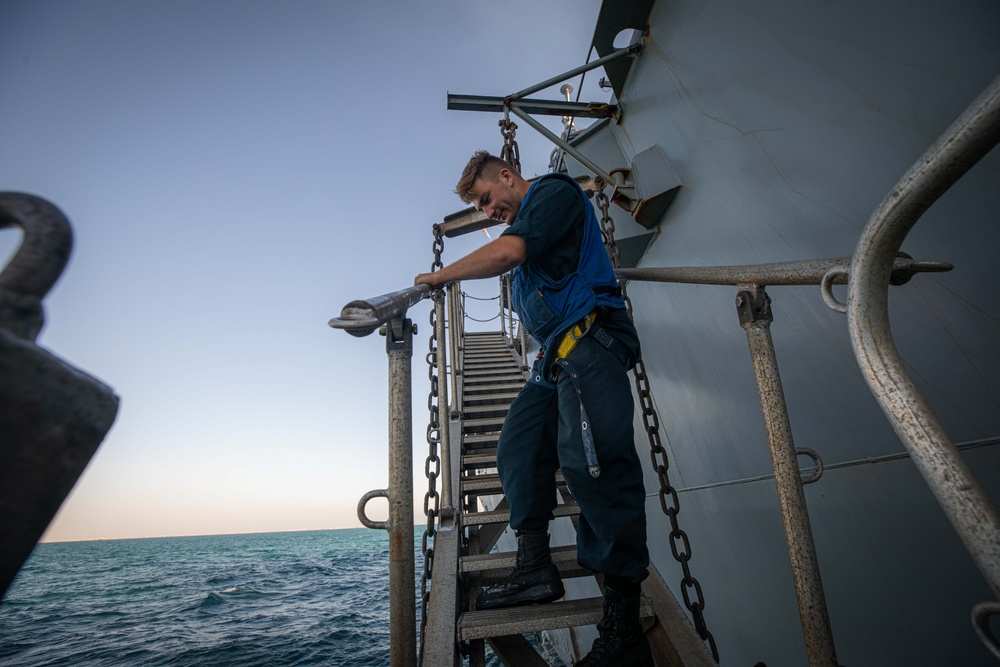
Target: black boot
x=534, y=579
x=621, y=642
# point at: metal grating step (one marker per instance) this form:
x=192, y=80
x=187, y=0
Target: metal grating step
x=489, y=387
x=489, y=357
x=511, y=370
x=503, y=516
x=486, y=411
x=489, y=484
x=535, y=618
x=486, y=425
x=478, y=371
x=489, y=567
x=481, y=440
x=492, y=378
x=504, y=397
x=485, y=459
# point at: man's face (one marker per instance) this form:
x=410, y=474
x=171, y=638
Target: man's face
x=498, y=199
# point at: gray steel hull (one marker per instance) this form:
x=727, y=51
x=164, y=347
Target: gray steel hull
x=787, y=125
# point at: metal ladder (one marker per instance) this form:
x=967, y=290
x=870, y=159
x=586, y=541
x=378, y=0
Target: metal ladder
x=491, y=376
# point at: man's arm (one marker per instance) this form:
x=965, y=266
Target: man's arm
x=494, y=258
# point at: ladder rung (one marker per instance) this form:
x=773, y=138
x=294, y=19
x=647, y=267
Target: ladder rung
x=477, y=371
x=503, y=516
x=486, y=387
x=505, y=398
x=493, y=376
x=489, y=484
x=487, y=425
x=486, y=411
x=499, y=566
x=512, y=370
x=479, y=360
x=485, y=459
x=480, y=440
x=535, y=618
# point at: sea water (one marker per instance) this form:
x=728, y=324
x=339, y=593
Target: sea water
x=276, y=599
x=269, y=599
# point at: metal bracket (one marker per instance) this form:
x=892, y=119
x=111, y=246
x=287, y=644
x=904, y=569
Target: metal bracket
x=753, y=306
x=363, y=516
x=981, y=614
x=399, y=335
x=521, y=107
x=817, y=462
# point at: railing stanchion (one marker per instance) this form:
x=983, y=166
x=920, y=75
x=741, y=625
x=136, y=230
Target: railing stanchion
x=754, y=308
x=402, y=598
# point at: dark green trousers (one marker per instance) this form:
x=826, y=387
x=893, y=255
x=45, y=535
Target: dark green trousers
x=542, y=433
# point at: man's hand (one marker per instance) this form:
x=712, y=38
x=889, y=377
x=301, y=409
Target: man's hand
x=428, y=279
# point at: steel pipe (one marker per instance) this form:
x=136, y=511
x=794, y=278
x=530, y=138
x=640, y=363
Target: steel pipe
x=533, y=106
x=594, y=64
x=753, y=307
x=804, y=272
x=402, y=597
x=362, y=317
x=548, y=134
x=968, y=508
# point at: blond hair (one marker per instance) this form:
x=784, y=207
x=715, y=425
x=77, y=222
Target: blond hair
x=482, y=165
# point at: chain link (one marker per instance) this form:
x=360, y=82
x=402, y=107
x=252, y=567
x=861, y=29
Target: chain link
x=651, y=421
x=510, y=152
x=432, y=467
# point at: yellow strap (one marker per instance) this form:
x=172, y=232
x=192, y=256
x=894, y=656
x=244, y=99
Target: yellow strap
x=573, y=336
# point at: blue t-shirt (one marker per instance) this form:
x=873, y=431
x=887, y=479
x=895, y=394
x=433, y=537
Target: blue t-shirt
x=551, y=225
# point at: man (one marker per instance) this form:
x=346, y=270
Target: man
x=575, y=412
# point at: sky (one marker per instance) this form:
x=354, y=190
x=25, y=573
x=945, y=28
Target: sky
x=235, y=172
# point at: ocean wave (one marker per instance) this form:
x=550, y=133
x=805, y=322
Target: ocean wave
x=280, y=600
x=212, y=600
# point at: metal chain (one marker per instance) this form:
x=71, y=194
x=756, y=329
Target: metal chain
x=479, y=298
x=470, y=317
x=510, y=152
x=432, y=467
x=680, y=546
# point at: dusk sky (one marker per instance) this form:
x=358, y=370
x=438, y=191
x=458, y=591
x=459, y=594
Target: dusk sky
x=235, y=172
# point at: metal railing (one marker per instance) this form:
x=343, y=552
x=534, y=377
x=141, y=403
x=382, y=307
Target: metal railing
x=965, y=503
x=387, y=314
x=875, y=265
x=753, y=306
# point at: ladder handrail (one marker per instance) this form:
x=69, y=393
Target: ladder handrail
x=801, y=272
x=364, y=316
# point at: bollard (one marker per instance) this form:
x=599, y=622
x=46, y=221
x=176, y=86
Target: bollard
x=53, y=417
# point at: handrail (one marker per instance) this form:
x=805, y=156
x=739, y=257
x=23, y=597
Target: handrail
x=803, y=272
x=753, y=307
x=362, y=317
x=967, y=140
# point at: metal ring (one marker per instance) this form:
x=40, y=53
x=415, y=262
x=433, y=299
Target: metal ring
x=826, y=288
x=363, y=518
x=981, y=622
x=817, y=461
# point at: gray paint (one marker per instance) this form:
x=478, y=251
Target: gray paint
x=787, y=124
